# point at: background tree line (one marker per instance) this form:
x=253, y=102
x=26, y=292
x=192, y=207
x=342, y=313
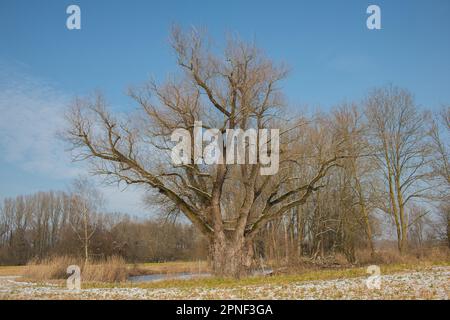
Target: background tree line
x=49, y=224
x=394, y=178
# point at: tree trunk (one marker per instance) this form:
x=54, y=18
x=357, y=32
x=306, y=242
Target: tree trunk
x=448, y=229
x=286, y=241
x=392, y=199
x=402, y=216
x=365, y=213
x=86, y=238
x=231, y=259
x=299, y=232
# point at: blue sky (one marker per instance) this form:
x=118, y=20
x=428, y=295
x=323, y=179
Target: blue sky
x=332, y=55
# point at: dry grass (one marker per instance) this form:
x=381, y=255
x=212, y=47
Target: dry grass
x=412, y=256
x=12, y=270
x=384, y=256
x=48, y=269
x=110, y=270
x=171, y=267
x=113, y=269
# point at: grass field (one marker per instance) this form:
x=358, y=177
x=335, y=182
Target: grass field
x=399, y=281
x=175, y=267
x=307, y=275
x=410, y=280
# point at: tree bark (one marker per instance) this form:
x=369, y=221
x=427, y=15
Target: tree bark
x=448, y=229
x=86, y=238
x=300, y=229
x=231, y=258
x=403, y=221
x=364, y=211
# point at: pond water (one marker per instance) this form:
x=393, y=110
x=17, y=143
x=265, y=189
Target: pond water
x=182, y=276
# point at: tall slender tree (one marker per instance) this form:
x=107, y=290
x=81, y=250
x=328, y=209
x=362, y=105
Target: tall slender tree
x=398, y=133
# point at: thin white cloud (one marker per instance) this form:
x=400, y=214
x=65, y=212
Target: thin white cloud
x=31, y=115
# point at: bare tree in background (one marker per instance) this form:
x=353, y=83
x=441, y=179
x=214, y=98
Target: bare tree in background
x=228, y=204
x=440, y=132
x=443, y=230
x=359, y=165
x=86, y=200
x=417, y=225
x=398, y=132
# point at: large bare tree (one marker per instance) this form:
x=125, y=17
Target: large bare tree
x=238, y=88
